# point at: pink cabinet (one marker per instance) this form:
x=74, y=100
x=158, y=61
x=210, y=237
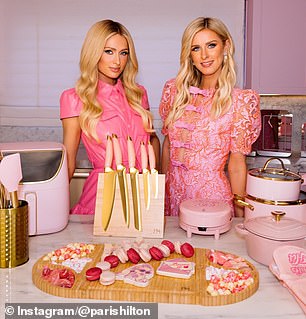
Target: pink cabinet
x=276, y=46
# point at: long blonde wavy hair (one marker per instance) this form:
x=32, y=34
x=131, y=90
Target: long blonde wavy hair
x=87, y=84
x=188, y=75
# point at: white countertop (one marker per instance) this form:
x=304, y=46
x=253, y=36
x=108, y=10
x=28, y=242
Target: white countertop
x=271, y=300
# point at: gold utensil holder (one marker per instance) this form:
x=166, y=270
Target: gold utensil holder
x=14, y=236
x=152, y=219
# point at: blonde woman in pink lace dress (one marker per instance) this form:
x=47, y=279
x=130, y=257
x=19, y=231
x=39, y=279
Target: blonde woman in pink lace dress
x=208, y=123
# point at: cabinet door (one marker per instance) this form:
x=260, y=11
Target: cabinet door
x=276, y=46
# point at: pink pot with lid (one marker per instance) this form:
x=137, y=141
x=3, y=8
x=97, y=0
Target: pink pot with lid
x=205, y=217
x=255, y=207
x=275, y=184
x=265, y=233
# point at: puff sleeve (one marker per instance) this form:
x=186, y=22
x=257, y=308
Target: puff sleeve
x=70, y=104
x=166, y=102
x=246, y=124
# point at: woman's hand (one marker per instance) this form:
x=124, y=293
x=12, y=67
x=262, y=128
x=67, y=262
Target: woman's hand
x=154, y=140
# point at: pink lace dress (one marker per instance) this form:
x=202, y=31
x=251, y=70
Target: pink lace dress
x=118, y=118
x=199, y=146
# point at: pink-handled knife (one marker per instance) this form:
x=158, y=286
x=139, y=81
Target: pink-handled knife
x=134, y=176
x=121, y=172
x=109, y=185
x=154, y=172
x=145, y=174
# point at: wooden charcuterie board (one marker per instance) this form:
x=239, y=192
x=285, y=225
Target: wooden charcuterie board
x=161, y=289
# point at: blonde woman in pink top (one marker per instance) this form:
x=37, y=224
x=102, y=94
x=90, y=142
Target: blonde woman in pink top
x=106, y=100
x=208, y=123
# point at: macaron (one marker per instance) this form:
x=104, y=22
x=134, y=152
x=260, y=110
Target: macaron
x=107, y=278
x=144, y=245
x=93, y=273
x=177, y=247
x=133, y=256
x=145, y=255
x=164, y=249
x=169, y=244
x=187, y=250
x=113, y=260
x=121, y=254
x=156, y=253
x=104, y=265
x=108, y=249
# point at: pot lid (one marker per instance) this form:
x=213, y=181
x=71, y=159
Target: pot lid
x=276, y=227
x=274, y=173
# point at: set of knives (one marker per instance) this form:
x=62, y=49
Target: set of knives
x=149, y=172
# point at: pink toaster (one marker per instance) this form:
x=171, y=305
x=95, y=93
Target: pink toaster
x=205, y=217
x=44, y=184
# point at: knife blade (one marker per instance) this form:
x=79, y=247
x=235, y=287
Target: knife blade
x=134, y=176
x=121, y=173
x=154, y=172
x=145, y=174
x=109, y=185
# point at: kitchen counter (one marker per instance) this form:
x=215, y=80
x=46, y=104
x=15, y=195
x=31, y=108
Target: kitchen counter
x=271, y=300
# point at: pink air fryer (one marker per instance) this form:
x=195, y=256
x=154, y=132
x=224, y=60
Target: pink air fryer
x=44, y=184
x=205, y=217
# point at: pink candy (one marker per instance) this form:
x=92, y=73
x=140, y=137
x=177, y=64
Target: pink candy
x=187, y=250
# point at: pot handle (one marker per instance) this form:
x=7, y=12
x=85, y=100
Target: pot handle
x=270, y=160
x=241, y=230
x=240, y=201
x=278, y=214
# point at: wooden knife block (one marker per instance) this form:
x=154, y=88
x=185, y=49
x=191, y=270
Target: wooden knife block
x=152, y=219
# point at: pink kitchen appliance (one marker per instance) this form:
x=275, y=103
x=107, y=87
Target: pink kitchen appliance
x=274, y=189
x=205, y=217
x=44, y=184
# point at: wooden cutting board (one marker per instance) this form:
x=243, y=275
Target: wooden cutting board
x=160, y=289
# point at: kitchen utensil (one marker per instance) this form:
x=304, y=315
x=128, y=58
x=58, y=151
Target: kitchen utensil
x=264, y=234
x=11, y=175
x=3, y=201
x=278, y=184
x=152, y=220
x=121, y=172
x=145, y=174
x=109, y=185
x=154, y=172
x=205, y=217
x=14, y=234
x=134, y=177
x=255, y=207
